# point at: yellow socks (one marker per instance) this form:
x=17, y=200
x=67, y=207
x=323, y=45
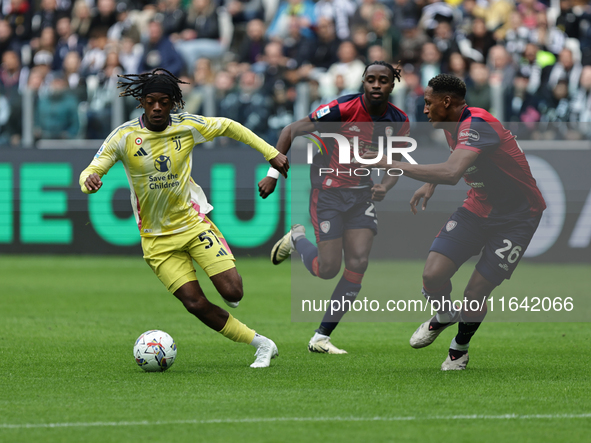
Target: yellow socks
x=237, y=331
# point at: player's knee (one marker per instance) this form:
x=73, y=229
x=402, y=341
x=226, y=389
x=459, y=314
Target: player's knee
x=196, y=305
x=327, y=271
x=358, y=265
x=431, y=279
x=233, y=292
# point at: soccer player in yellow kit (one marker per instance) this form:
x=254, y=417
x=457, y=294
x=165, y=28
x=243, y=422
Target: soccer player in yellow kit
x=170, y=208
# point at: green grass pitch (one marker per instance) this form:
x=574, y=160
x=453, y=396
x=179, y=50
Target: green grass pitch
x=67, y=373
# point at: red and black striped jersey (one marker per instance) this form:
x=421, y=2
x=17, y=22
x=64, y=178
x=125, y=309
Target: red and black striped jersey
x=353, y=120
x=500, y=179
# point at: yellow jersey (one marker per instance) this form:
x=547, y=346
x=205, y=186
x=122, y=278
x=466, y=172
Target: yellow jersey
x=164, y=197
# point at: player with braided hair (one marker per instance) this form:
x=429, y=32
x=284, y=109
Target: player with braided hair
x=342, y=200
x=170, y=208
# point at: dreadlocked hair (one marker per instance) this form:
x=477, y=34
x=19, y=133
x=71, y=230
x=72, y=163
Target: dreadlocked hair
x=448, y=84
x=395, y=71
x=135, y=84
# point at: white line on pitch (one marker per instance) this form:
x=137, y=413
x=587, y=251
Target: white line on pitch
x=294, y=419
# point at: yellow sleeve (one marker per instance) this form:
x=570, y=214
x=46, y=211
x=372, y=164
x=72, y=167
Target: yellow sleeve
x=224, y=127
x=103, y=160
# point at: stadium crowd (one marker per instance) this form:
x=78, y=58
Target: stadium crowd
x=251, y=60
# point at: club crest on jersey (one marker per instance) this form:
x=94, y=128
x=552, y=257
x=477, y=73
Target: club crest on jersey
x=162, y=163
x=450, y=225
x=138, y=141
x=389, y=131
x=325, y=226
x=468, y=134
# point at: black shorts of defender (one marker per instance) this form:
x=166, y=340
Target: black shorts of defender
x=333, y=211
x=502, y=240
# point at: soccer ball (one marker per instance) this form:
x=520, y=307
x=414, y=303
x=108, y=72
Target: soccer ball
x=154, y=351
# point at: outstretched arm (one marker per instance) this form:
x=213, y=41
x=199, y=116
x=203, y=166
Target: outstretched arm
x=268, y=184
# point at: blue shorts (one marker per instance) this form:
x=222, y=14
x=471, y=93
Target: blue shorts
x=334, y=211
x=502, y=240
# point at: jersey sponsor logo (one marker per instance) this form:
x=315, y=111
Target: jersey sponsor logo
x=325, y=226
x=322, y=112
x=162, y=163
x=468, y=134
x=140, y=153
x=138, y=141
x=99, y=152
x=450, y=225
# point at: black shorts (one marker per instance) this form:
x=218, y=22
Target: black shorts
x=334, y=211
x=502, y=240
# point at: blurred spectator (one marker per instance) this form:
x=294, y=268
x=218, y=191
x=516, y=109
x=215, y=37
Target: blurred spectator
x=102, y=92
x=376, y=53
x=19, y=17
x=130, y=54
x=201, y=33
x=360, y=38
x=466, y=12
x=478, y=88
x=43, y=61
x=501, y=66
x=494, y=12
x=365, y=12
x=56, y=113
x=46, y=42
x=339, y=12
x=5, y=113
x=430, y=65
x=104, y=17
x=45, y=17
x=520, y=104
x=243, y=11
x=302, y=9
x=530, y=68
x=248, y=104
x=201, y=85
x=12, y=76
x=67, y=42
x=81, y=20
x=566, y=69
x=547, y=37
x=481, y=40
x=414, y=102
x=349, y=67
x=159, y=51
x=568, y=22
x=127, y=24
x=96, y=55
x=445, y=42
x=253, y=45
x=7, y=41
x=272, y=66
x=528, y=9
x=515, y=35
x=384, y=34
x=581, y=101
x=405, y=10
x=297, y=47
x=434, y=12
x=173, y=17
x=458, y=66
x=71, y=72
x=412, y=43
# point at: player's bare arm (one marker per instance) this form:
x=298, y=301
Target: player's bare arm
x=380, y=190
x=93, y=183
x=268, y=184
x=447, y=173
x=425, y=192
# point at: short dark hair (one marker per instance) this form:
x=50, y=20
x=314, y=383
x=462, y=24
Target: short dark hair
x=448, y=84
x=395, y=71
